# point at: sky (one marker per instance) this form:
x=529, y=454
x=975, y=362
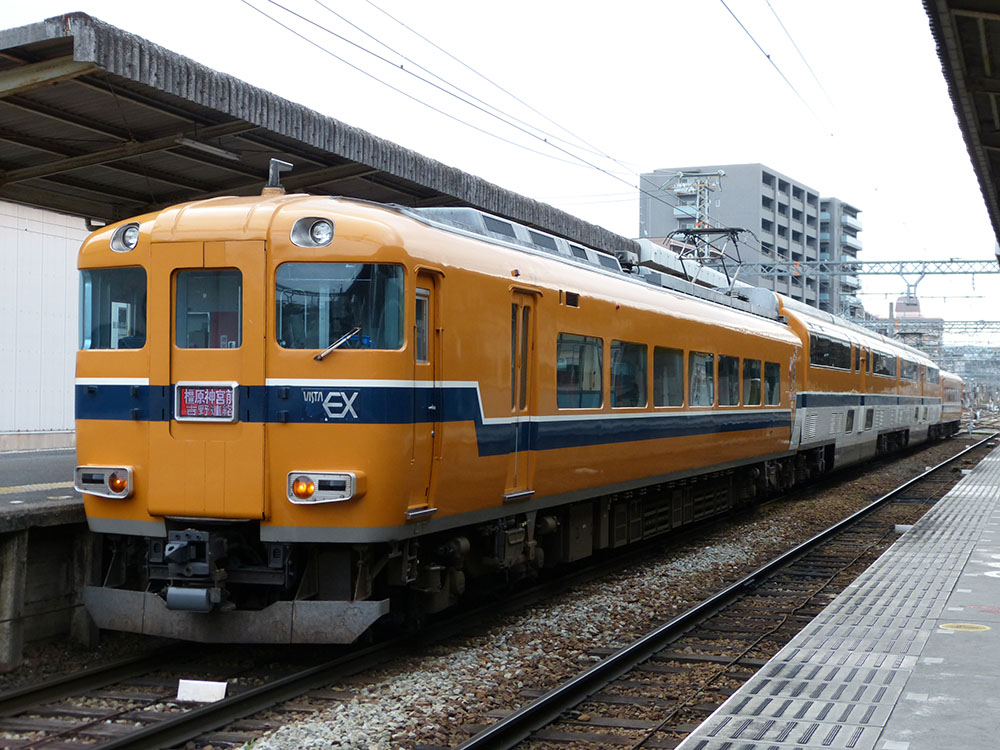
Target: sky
x=846, y=97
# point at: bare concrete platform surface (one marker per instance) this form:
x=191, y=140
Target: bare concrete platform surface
x=36, y=489
x=907, y=658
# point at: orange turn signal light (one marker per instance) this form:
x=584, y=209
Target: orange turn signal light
x=303, y=488
x=117, y=482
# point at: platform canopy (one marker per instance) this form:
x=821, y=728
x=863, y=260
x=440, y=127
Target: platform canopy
x=100, y=123
x=968, y=38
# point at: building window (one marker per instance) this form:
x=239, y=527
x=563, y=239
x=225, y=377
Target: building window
x=767, y=179
x=783, y=186
x=767, y=225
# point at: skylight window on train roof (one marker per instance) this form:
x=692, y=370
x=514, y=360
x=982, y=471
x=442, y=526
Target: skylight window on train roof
x=579, y=252
x=608, y=262
x=543, y=241
x=499, y=227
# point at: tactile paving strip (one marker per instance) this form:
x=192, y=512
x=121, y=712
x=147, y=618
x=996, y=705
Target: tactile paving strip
x=837, y=682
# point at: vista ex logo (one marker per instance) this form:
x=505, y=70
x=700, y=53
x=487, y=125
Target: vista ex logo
x=336, y=404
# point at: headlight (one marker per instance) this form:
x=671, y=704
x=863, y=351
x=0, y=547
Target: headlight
x=115, y=482
x=125, y=238
x=312, y=231
x=311, y=487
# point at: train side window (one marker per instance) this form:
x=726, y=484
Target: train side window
x=628, y=374
x=868, y=362
x=701, y=379
x=933, y=375
x=113, y=308
x=668, y=377
x=772, y=383
x=869, y=417
x=729, y=380
x=421, y=342
x=849, y=427
x=751, y=382
x=579, y=371
x=209, y=308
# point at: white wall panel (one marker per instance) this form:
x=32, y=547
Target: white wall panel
x=38, y=311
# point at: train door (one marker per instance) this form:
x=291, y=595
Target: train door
x=520, y=466
x=426, y=394
x=207, y=455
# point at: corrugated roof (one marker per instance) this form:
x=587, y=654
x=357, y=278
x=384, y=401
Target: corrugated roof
x=101, y=123
x=967, y=33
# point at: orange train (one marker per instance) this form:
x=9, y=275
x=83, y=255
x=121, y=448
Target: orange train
x=298, y=415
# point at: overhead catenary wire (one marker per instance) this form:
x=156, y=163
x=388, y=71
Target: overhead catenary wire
x=515, y=97
x=574, y=160
x=773, y=63
x=398, y=90
x=801, y=55
x=462, y=91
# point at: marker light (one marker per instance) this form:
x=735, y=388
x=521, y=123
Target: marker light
x=312, y=231
x=316, y=487
x=125, y=238
x=303, y=488
x=113, y=482
x=118, y=483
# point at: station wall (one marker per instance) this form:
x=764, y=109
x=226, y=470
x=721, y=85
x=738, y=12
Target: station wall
x=38, y=325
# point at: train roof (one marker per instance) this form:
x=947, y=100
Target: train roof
x=652, y=266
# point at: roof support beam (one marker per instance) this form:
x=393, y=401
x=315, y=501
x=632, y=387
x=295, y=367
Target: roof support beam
x=69, y=204
x=28, y=77
x=121, y=151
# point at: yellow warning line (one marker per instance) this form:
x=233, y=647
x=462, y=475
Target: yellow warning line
x=33, y=487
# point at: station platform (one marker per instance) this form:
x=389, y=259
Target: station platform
x=907, y=658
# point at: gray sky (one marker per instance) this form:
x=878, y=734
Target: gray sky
x=644, y=84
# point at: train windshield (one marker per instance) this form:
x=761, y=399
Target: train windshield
x=112, y=308
x=317, y=303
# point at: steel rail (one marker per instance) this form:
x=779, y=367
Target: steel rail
x=547, y=708
x=190, y=724
x=18, y=699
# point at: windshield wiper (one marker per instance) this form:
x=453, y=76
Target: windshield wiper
x=337, y=344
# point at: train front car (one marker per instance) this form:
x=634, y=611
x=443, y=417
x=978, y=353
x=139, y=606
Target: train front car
x=202, y=453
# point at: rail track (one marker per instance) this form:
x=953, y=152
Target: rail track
x=132, y=703
x=652, y=693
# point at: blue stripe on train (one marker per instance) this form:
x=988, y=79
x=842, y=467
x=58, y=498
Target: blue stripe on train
x=816, y=400
x=393, y=405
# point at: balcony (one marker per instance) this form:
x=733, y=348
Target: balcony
x=851, y=221
x=824, y=216
x=824, y=236
x=689, y=212
x=850, y=281
x=848, y=241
